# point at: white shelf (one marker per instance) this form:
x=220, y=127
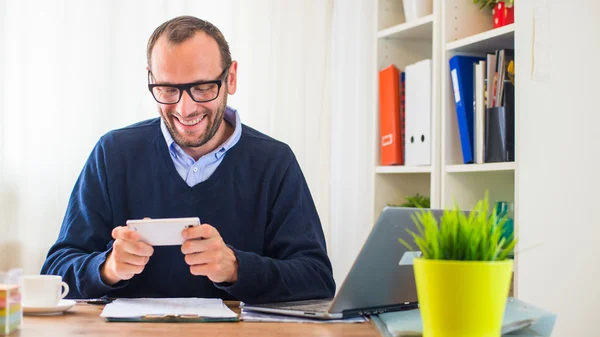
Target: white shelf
x=507, y=166
x=402, y=169
x=419, y=29
x=498, y=38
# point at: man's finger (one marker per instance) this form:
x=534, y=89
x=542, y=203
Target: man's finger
x=204, y=231
x=132, y=259
x=126, y=269
x=199, y=246
x=203, y=269
x=126, y=276
x=139, y=248
x=201, y=258
x=124, y=233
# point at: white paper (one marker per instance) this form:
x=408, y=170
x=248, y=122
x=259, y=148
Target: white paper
x=252, y=316
x=139, y=307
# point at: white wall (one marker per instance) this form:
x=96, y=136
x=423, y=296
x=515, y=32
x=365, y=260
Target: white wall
x=558, y=175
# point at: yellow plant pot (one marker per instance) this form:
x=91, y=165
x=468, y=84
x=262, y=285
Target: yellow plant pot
x=462, y=298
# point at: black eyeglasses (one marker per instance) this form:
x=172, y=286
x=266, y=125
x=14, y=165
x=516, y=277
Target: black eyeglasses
x=200, y=92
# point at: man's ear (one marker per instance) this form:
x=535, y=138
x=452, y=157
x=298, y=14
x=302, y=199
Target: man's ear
x=232, y=78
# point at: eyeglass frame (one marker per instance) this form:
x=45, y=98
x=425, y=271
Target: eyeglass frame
x=188, y=86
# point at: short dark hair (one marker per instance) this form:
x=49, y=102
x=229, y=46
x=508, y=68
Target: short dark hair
x=181, y=28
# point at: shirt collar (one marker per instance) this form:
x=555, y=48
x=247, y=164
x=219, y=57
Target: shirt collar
x=231, y=115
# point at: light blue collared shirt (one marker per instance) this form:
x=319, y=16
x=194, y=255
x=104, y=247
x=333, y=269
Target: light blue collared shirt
x=195, y=172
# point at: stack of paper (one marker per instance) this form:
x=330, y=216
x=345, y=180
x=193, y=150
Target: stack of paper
x=168, y=309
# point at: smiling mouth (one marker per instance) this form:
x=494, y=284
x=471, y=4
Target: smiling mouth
x=191, y=122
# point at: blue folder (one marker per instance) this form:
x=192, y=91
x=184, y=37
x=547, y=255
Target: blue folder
x=462, y=74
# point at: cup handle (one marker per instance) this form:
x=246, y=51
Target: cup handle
x=65, y=291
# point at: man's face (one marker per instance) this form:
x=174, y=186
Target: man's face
x=191, y=124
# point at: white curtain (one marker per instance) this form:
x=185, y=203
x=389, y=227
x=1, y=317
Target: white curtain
x=353, y=80
x=72, y=70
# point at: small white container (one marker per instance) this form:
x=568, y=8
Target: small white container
x=414, y=9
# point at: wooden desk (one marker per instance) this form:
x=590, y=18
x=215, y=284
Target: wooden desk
x=85, y=320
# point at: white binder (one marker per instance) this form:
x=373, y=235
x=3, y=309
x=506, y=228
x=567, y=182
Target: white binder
x=418, y=114
x=479, y=120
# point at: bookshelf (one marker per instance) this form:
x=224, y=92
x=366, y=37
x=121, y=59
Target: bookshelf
x=420, y=29
x=455, y=27
x=403, y=43
x=503, y=37
x=402, y=169
x=467, y=30
x=487, y=167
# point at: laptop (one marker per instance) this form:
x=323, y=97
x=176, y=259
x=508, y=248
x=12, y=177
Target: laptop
x=380, y=280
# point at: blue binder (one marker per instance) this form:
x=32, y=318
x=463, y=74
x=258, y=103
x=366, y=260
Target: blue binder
x=462, y=73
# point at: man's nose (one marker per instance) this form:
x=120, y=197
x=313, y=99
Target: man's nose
x=186, y=105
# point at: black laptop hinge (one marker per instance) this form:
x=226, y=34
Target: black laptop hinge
x=379, y=310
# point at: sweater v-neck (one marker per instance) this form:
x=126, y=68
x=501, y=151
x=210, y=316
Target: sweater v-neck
x=163, y=150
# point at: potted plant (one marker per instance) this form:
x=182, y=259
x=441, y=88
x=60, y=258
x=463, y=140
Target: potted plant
x=415, y=201
x=463, y=276
x=503, y=10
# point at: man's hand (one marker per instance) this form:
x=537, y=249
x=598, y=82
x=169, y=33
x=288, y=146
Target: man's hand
x=127, y=258
x=207, y=255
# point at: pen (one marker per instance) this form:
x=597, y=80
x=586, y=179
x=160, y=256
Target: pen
x=97, y=301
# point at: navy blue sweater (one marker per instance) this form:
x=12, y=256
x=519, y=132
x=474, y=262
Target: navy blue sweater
x=257, y=199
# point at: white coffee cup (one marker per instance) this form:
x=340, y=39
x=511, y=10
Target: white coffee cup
x=43, y=290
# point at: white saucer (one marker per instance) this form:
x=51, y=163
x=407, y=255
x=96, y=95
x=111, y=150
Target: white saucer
x=62, y=306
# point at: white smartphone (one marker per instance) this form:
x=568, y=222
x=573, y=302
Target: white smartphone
x=162, y=232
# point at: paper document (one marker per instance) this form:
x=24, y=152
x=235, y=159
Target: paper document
x=252, y=316
x=188, y=307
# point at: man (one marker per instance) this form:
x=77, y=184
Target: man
x=261, y=240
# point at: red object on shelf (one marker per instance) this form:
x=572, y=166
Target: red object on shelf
x=390, y=123
x=503, y=15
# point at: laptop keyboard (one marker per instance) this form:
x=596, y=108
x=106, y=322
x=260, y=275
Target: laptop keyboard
x=310, y=305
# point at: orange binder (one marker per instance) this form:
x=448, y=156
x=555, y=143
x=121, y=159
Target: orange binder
x=390, y=130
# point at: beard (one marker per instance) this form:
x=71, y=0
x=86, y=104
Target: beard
x=213, y=119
